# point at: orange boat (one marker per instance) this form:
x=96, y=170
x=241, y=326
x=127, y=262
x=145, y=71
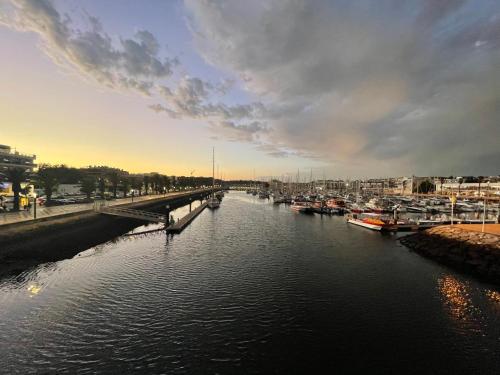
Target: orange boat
x=372, y=221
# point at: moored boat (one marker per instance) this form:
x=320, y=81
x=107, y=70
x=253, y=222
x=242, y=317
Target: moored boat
x=213, y=202
x=303, y=207
x=371, y=221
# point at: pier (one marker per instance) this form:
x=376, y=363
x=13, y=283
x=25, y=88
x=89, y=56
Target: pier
x=184, y=222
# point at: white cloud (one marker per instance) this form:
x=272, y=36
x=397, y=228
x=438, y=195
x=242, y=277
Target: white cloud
x=133, y=64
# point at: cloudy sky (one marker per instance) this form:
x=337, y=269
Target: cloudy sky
x=345, y=88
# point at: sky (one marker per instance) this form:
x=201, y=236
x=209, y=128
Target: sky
x=335, y=88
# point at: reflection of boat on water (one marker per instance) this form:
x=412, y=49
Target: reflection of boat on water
x=303, y=207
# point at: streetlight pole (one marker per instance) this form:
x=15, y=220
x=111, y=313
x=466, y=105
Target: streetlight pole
x=453, y=200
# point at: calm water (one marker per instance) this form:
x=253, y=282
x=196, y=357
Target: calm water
x=250, y=288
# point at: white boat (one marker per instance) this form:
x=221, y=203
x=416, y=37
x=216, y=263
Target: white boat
x=371, y=221
x=213, y=203
x=416, y=209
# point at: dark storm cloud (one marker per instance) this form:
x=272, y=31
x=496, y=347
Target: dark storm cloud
x=368, y=85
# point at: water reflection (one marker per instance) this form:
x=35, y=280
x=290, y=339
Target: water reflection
x=250, y=288
x=494, y=297
x=457, y=299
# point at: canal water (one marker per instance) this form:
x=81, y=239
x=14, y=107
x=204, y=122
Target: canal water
x=249, y=288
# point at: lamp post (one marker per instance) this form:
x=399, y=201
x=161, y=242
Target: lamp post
x=167, y=214
x=453, y=200
x=34, y=207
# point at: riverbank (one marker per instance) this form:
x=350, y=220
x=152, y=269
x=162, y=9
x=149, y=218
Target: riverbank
x=26, y=244
x=461, y=246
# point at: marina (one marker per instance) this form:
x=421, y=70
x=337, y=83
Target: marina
x=250, y=187
x=387, y=212
x=216, y=298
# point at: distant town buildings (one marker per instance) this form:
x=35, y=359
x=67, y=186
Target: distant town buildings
x=14, y=159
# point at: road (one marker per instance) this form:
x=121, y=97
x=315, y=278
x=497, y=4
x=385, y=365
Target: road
x=43, y=212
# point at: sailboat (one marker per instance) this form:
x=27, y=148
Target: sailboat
x=213, y=202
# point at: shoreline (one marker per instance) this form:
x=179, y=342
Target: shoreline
x=464, y=249
x=27, y=244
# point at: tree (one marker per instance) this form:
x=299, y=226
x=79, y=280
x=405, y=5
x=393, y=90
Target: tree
x=156, y=180
x=16, y=176
x=47, y=180
x=426, y=187
x=101, y=185
x=115, y=181
x=88, y=186
x=441, y=181
x=146, y=184
x=166, y=182
x=136, y=184
x=125, y=186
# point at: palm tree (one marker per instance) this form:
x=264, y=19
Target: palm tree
x=403, y=188
x=125, y=187
x=102, y=186
x=115, y=181
x=16, y=176
x=146, y=184
x=441, y=181
x=156, y=182
x=47, y=180
x=88, y=186
x=166, y=182
x=136, y=184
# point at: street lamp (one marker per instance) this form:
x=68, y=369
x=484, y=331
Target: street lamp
x=34, y=205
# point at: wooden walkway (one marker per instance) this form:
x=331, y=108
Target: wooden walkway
x=134, y=214
x=182, y=223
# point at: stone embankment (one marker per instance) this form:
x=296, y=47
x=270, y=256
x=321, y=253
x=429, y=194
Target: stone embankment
x=28, y=243
x=457, y=246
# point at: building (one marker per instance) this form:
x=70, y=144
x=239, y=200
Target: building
x=10, y=159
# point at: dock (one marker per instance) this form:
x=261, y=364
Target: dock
x=184, y=222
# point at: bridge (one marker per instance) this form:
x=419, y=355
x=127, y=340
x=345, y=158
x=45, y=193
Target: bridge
x=154, y=217
x=134, y=214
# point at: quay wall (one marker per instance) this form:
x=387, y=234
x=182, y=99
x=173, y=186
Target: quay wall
x=26, y=244
x=466, y=250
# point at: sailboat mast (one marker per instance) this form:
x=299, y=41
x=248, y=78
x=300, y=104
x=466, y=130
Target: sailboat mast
x=213, y=170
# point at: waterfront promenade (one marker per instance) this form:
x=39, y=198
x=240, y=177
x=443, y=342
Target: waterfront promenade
x=45, y=212
x=488, y=228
